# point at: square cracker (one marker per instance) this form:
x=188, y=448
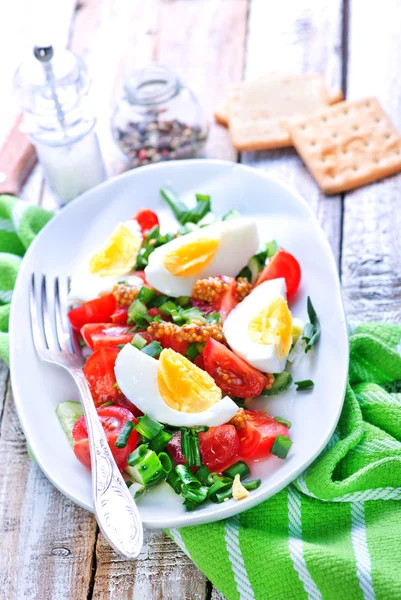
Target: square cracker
x=221, y=113
x=348, y=145
x=259, y=110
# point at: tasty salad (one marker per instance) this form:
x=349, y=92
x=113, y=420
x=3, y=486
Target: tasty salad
x=180, y=332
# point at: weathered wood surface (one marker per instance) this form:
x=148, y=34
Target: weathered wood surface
x=51, y=548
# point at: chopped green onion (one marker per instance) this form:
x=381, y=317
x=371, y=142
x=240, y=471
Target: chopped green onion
x=109, y=403
x=245, y=273
x=200, y=347
x=153, y=349
x=187, y=477
x=147, y=427
x=192, y=352
x=178, y=207
x=137, y=313
x=137, y=455
x=124, y=434
x=197, y=495
x=168, y=308
x=213, y=318
x=200, y=428
x=129, y=483
x=158, y=300
x=304, y=385
x=145, y=294
x=222, y=484
x=174, y=480
x=190, y=447
x=283, y=421
x=255, y=268
x=187, y=228
x=183, y=301
x=202, y=474
x=138, y=341
x=271, y=248
x=160, y=441
x=186, y=315
x=148, y=471
x=120, y=346
x=232, y=214
x=252, y=485
x=190, y=505
x=282, y=382
x=239, y=468
x=140, y=492
x=281, y=446
x=224, y=494
x=165, y=461
x=311, y=332
x=184, y=214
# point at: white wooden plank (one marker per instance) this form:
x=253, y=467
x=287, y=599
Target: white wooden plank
x=372, y=218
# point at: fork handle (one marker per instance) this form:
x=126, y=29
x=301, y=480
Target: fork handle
x=115, y=509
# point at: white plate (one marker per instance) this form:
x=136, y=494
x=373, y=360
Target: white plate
x=85, y=223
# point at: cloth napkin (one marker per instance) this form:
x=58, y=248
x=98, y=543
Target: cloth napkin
x=19, y=224
x=335, y=534
x=332, y=535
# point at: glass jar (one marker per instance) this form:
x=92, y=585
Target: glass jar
x=158, y=118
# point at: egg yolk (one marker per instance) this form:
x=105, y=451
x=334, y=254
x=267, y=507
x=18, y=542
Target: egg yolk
x=183, y=386
x=118, y=256
x=190, y=259
x=273, y=325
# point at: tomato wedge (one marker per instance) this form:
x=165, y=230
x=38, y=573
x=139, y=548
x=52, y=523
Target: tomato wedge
x=168, y=341
x=96, y=335
x=94, y=311
x=147, y=219
x=218, y=447
x=257, y=437
x=99, y=372
x=227, y=299
x=120, y=316
x=113, y=419
x=283, y=264
x=231, y=373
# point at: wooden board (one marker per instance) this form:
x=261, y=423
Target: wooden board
x=371, y=260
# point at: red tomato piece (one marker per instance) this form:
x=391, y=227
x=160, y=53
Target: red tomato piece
x=147, y=219
x=123, y=401
x=283, y=264
x=99, y=372
x=94, y=311
x=231, y=373
x=199, y=362
x=168, y=341
x=227, y=299
x=218, y=447
x=96, y=335
x=154, y=312
x=257, y=437
x=113, y=419
x=120, y=316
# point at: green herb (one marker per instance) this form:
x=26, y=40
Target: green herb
x=160, y=441
x=138, y=341
x=281, y=446
x=190, y=447
x=246, y=274
x=282, y=382
x=306, y=384
x=311, y=333
x=153, y=349
x=145, y=294
x=192, y=352
x=232, y=214
x=184, y=214
x=283, y=421
x=240, y=468
x=124, y=434
x=202, y=474
x=252, y=485
x=109, y=403
x=183, y=301
x=138, y=314
x=147, y=427
x=213, y=318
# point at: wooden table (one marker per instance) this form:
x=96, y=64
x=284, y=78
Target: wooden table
x=50, y=547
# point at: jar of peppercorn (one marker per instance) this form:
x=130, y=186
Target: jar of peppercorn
x=158, y=118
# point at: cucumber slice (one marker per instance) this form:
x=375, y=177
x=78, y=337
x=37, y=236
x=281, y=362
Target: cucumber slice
x=68, y=413
x=282, y=382
x=255, y=268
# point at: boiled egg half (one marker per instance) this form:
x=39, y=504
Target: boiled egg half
x=171, y=390
x=259, y=329
x=110, y=264
x=221, y=248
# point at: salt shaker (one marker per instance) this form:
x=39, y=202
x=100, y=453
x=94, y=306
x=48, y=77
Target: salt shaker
x=158, y=117
x=53, y=91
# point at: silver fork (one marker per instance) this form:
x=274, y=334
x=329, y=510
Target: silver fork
x=115, y=509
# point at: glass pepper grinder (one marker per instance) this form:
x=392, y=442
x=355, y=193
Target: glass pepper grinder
x=53, y=92
x=158, y=117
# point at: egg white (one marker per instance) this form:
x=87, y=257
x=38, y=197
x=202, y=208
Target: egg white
x=261, y=356
x=238, y=241
x=136, y=375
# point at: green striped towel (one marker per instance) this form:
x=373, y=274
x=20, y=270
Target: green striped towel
x=335, y=534
x=19, y=224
